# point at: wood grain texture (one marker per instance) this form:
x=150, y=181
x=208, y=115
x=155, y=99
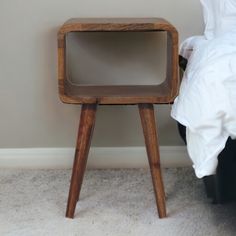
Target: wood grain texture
x=79, y=94
x=86, y=126
x=115, y=24
x=143, y=95
x=150, y=135
x=118, y=94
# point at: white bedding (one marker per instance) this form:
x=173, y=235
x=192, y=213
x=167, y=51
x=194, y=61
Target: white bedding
x=206, y=104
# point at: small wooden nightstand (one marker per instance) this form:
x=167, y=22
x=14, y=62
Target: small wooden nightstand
x=143, y=95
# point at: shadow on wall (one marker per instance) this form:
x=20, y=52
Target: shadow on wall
x=139, y=59
x=61, y=121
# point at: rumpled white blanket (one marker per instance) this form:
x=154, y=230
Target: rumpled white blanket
x=206, y=104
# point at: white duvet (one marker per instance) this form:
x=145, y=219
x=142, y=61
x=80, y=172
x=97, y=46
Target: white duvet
x=206, y=104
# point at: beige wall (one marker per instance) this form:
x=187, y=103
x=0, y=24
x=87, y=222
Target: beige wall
x=31, y=113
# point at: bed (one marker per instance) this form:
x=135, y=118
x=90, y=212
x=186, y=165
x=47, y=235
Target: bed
x=205, y=108
x=221, y=187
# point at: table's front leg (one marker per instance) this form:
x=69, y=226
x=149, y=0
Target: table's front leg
x=85, y=132
x=150, y=135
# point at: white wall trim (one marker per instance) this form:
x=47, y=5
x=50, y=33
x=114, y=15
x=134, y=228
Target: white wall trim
x=99, y=157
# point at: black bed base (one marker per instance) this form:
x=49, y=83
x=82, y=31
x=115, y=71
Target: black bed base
x=221, y=187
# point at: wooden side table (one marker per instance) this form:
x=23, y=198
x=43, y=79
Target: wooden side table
x=142, y=95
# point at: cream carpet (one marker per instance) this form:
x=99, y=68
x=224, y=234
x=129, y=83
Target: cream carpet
x=113, y=202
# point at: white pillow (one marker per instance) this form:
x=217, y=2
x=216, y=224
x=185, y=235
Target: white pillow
x=209, y=17
x=227, y=20
x=219, y=17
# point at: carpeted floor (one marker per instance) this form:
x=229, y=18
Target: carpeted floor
x=113, y=202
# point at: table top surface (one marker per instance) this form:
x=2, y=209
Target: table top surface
x=116, y=24
x=115, y=20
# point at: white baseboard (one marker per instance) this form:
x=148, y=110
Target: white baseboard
x=99, y=157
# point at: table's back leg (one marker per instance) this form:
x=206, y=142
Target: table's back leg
x=85, y=132
x=150, y=135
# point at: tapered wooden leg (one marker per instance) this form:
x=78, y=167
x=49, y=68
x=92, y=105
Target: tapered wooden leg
x=85, y=132
x=150, y=135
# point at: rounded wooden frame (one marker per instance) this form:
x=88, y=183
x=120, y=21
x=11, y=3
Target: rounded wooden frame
x=119, y=94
